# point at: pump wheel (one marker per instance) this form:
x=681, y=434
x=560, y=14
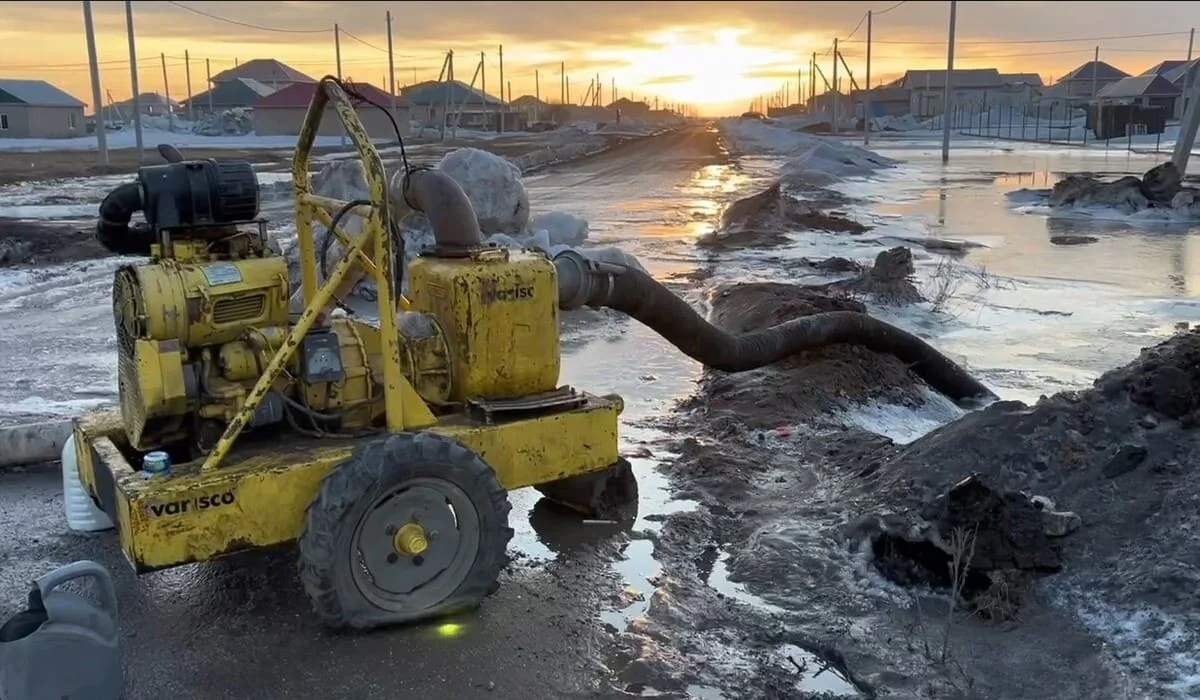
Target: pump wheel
x=410, y=527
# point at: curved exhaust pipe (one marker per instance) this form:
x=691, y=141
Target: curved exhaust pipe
x=583, y=282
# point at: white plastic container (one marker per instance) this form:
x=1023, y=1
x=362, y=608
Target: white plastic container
x=82, y=513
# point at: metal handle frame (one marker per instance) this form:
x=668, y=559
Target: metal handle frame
x=375, y=237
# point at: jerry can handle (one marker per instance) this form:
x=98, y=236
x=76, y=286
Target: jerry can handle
x=81, y=569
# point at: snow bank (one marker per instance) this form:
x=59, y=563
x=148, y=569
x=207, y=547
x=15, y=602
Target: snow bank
x=494, y=187
x=816, y=161
x=829, y=161
x=904, y=122
x=812, y=152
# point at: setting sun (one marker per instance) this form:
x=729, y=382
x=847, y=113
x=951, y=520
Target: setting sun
x=703, y=68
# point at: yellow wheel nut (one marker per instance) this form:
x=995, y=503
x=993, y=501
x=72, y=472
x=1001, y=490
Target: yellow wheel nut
x=410, y=540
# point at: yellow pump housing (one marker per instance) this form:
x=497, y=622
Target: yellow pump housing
x=499, y=310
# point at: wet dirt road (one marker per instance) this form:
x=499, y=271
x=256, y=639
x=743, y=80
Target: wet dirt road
x=241, y=627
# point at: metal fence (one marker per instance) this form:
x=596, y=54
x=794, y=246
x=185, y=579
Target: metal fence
x=1053, y=122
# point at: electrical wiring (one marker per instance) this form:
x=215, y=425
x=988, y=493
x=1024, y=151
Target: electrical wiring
x=248, y=25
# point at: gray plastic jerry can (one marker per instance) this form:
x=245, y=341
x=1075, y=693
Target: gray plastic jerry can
x=64, y=647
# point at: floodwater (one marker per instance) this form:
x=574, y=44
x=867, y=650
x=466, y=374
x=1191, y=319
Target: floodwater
x=1027, y=314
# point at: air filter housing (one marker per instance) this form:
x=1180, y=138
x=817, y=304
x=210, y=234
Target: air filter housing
x=198, y=194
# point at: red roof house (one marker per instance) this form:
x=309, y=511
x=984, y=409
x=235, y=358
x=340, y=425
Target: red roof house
x=281, y=113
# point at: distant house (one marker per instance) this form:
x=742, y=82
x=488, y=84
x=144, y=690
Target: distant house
x=1163, y=67
x=1019, y=80
x=35, y=109
x=239, y=92
x=1079, y=83
x=534, y=109
x=824, y=104
x=267, y=71
x=1143, y=90
x=150, y=104
x=282, y=112
x=975, y=89
x=473, y=107
x=1183, y=76
x=630, y=108
x=886, y=101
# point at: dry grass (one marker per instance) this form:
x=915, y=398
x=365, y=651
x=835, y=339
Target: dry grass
x=953, y=281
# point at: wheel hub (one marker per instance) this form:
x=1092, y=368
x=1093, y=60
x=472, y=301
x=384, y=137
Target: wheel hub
x=411, y=540
x=415, y=544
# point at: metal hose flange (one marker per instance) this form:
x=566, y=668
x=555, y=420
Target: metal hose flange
x=638, y=295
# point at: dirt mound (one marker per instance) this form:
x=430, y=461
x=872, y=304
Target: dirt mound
x=804, y=387
x=888, y=281
x=43, y=243
x=1120, y=455
x=1161, y=187
x=764, y=219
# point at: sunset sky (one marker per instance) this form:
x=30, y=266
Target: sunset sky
x=716, y=56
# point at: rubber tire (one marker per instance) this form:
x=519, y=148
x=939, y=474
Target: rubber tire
x=351, y=487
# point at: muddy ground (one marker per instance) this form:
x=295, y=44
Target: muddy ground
x=928, y=569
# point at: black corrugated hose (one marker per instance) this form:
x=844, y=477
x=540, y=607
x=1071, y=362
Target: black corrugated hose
x=635, y=293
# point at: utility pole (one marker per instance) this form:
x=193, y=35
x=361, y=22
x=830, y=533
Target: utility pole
x=94, y=66
x=391, y=65
x=1187, y=131
x=612, y=90
x=337, y=54
x=133, y=75
x=867, y=92
x=812, y=81
x=562, y=83
x=483, y=89
x=444, y=80
x=167, y=94
x=537, y=96
x=1191, y=71
x=208, y=83
x=567, y=80
x=449, y=87
x=1095, y=71
x=187, y=71
x=834, y=94
x=503, y=106
x=1191, y=116
x=949, y=84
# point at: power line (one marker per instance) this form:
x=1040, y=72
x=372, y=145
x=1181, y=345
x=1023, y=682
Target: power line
x=864, y=19
x=259, y=27
x=974, y=57
x=1031, y=41
x=856, y=27
x=362, y=41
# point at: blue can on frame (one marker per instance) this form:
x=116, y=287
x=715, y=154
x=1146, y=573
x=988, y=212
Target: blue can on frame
x=156, y=464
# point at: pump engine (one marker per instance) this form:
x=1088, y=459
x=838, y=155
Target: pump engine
x=200, y=320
